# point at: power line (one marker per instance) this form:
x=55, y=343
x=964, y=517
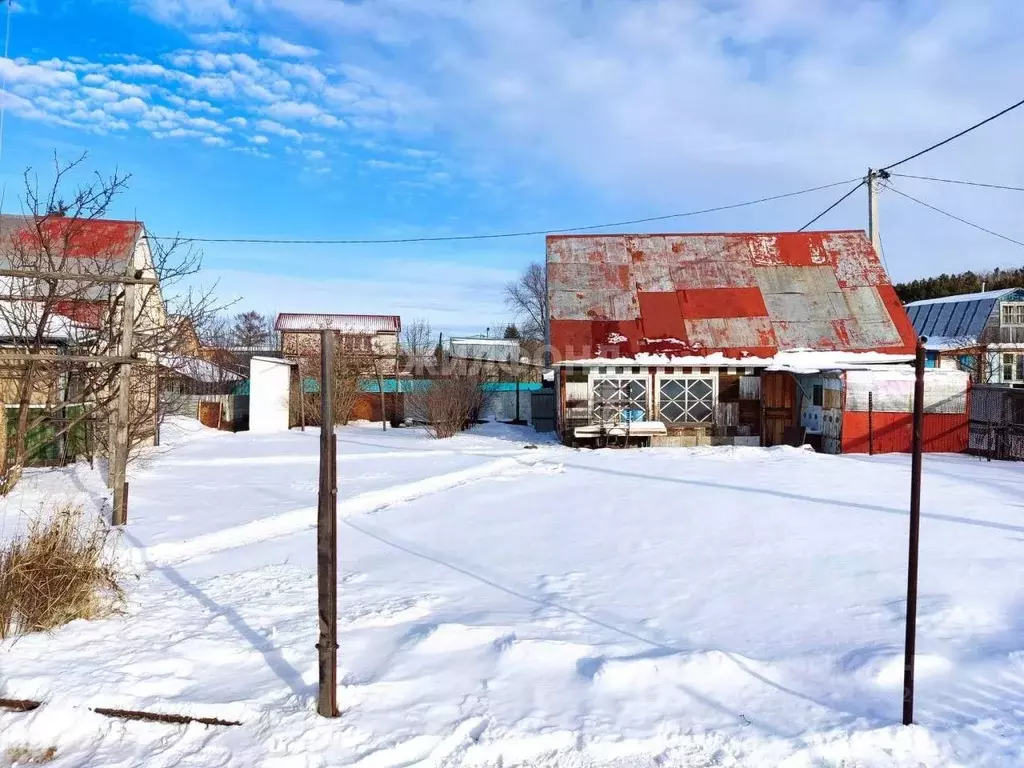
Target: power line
x=956, y=135
x=495, y=236
x=860, y=183
x=885, y=262
x=958, y=181
x=955, y=217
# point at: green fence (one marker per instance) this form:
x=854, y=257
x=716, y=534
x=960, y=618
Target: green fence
x=45, y=444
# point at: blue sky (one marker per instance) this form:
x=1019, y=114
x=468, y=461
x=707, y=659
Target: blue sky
x=396, y=118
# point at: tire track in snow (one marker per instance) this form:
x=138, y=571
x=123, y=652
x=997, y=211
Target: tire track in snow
x=227, y=461
x=304, y=518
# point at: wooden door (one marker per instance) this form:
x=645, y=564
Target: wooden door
x=778, y=407
x=210, y=413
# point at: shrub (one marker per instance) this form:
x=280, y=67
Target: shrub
x=59, y=570
x=452, y=404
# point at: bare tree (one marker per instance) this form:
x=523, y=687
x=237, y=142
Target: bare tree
x=417, y=346
x=527, y=297
x=60, y=332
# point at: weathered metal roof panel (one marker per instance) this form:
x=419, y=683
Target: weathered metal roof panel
x=724, y=293
x=308, y=322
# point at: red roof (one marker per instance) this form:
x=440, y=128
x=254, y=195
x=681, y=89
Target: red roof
x=105, y=239
x=736, y=294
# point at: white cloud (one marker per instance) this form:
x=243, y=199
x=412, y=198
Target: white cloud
x=389, y=165
x=240, y=122
x=259, y=139
x=101, y=94
x=217, y=39
x=129, y=106
x=214, y=141
x=275, y=46
x=20, y=71
x=314, y=154
x=328, y=121
x=190, y=12
x=293, y=110
x=270, y=126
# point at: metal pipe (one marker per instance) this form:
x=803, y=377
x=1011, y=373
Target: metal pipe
x=915, y=534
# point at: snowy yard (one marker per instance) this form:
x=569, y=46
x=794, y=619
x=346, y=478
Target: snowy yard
x=510, y=607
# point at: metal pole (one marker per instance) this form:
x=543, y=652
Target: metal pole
x=326, y=539
x=915, y=533
x=871, y=424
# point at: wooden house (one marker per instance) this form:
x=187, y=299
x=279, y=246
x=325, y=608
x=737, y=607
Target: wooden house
x=728, y=339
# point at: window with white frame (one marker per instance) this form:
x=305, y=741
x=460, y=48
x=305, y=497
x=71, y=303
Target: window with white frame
x=1013, y=367
x=1013, y=313
x=619, y=399
x=687, y=399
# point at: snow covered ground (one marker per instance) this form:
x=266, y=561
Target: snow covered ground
x=503, y=606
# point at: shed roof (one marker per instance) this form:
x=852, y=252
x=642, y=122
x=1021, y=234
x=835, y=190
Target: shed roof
x=296, y=321
x=952, y=322
x=740, y=295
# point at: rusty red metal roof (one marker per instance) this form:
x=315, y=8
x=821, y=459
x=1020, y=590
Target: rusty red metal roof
x=309, y=322
x=107, y=240
x=740, y=295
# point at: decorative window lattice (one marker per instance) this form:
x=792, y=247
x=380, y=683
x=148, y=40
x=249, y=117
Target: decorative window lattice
x=687, y=401
x=619, y=400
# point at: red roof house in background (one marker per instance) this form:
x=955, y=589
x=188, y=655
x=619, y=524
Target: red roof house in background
x=684, y=339
x=738, y=295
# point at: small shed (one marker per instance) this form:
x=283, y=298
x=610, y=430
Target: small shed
x=269, y=390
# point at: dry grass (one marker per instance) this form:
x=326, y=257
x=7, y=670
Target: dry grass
x=59, y=570
x=30, y=756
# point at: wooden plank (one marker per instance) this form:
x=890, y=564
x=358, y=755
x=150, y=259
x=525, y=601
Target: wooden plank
x=78, y=277
x=728, y=388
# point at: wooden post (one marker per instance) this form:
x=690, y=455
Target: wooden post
x=915, y=533
x=302, y=398
x=326, y=538
x=156, y=408
x=119, y=465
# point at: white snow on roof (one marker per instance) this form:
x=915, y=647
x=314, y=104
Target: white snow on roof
x=962, y=297
x=21, y=319
x=198, y=369
x=794, y=360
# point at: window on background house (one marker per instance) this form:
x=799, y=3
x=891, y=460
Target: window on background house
x=818, y=395
x=687, y=400
x=1013, y=313
x=620, y=399
x=1013, y=367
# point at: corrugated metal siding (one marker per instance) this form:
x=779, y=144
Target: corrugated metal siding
x=893, y=432
x=292, y=321
x=731, y=293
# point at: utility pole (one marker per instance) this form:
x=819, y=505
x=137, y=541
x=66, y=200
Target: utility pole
x=327, y=538
x=119, y=468
x=915, y=535
x=872, y=183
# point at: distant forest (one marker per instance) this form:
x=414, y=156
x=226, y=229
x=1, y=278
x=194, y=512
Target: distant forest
x=964, y=282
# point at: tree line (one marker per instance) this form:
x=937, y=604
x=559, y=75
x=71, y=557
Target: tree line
x=961, y=282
